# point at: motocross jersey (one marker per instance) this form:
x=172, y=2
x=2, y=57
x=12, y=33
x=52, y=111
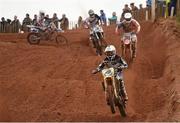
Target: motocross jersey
x=117, y=62
x=129, y=27
x=92, y=21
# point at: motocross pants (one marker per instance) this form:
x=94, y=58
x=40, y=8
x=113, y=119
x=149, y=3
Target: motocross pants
x=119, y=77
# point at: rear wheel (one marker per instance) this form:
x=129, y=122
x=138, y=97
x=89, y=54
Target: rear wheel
x=60, y=39
x=110, y=95
x=33, y=38
x=122, y=109
x=128, y=54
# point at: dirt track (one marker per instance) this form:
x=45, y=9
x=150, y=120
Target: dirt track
x=46, y=83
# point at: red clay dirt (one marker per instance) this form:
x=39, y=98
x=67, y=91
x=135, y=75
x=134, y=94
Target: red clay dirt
x=49, y=83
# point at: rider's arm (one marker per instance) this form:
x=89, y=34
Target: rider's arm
x=120, y=63
x=138, y=27
x=101, y=66
x=124, y=64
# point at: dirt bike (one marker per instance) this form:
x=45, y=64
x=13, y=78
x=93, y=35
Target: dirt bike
x=112, y=91
x=127, y=52
x=97, y=37
x=38, y=33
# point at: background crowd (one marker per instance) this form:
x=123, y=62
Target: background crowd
x=15, y=26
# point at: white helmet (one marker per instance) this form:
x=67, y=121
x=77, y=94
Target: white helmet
x=110, y=51
x=91, y=12
x=128, y=17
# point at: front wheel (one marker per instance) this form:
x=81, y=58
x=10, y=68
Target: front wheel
x=98, y=47
x=122, y=109
x=33, y=38
x=60, y=39
x=110, y=98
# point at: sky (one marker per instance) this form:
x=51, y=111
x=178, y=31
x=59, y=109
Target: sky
x=72, y=8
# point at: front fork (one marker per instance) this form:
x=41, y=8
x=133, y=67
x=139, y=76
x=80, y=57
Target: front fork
x=115, y=92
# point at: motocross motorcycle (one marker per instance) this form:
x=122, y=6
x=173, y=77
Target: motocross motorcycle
x=97, y=37
x=127, y=52
x=113, y=93
x=38, y=34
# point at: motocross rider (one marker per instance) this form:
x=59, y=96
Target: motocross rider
x=91, y=21
x=115, y=61
x=129, y=25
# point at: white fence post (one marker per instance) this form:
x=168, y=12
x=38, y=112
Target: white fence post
x=153, y=10
x=147, y=18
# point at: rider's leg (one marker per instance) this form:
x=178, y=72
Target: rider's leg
x=121, y=85
x=91, y=40
x=134, y=44
x=123, y=90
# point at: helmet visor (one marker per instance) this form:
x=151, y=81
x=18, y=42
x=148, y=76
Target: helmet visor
x=109, y=53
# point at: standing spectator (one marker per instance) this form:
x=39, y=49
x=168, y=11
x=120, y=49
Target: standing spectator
x=55, y=20
x=125, y=10
x=3, y=25
x=140, y=6
x=103, y=17
x=173, y=4
x=35, y=20
x=16, y=26
x=80, y=22
x=47, y=20
x=64, y=22
x=133, y=7
x=8, y=27
x=27, y=21
x=41, y=19
x=168, y=7
x=148, y=3
x=134, y=10
x=113, y=19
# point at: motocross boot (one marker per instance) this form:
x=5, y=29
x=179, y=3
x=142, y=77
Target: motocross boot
x=123, y=90
x=134, y=49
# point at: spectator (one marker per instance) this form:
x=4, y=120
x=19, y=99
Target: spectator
x=41, y=19
x=125, y=10
x=8, y=27
x=113, y=19
x=3, y=25
x=103, y=17
x=148, y=3
x=173, y=4
x=140, y=6
x=47, y=20
x=64, y=22
x=55, y=20
x=16, y=26
x=134, y=10
x=80, y=22
x=27, y=21
x=168, y=7
x=133, y=7
x=35, y=20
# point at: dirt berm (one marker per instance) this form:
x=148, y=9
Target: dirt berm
x=49, y=83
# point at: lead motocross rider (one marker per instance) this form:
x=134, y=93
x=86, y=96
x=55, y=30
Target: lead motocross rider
x=91, y=21
x=115, y=61
x=129, y=25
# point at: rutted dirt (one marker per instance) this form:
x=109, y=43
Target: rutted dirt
x=49, y=83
